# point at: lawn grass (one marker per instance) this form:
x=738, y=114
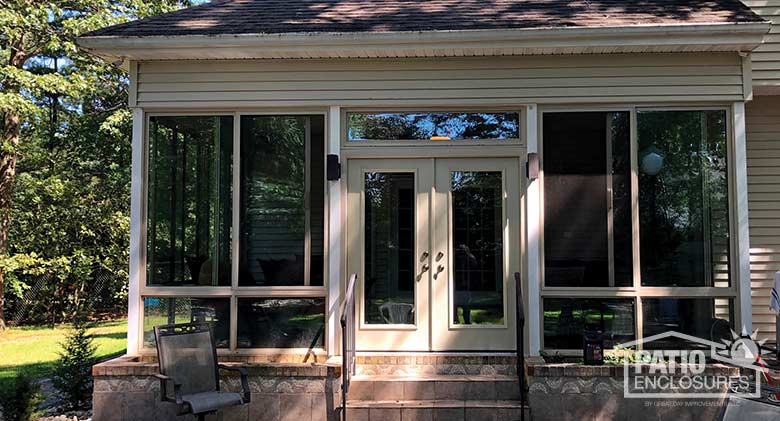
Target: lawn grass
x=34, y=350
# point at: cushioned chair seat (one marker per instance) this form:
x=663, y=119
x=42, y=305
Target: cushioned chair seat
x=211, y=401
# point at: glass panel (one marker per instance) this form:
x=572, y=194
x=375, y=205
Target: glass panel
x=189, y=202
x=478, y=248
x=433, y=126
x=389, y=248
x=282, y=200
x=683, y=198
x=565, y=319
x=281, y=322
x=706, y=318
x=587, y=195
x=166, y=311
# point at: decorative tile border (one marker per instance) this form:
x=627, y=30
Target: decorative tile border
x=146, y=366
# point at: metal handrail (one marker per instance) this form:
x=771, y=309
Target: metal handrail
x=520, y=326
x=347, y=311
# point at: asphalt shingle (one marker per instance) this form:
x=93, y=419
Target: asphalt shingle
x=235, y=17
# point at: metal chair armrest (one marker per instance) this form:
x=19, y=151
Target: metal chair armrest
x=244, y=380
x=164, y=389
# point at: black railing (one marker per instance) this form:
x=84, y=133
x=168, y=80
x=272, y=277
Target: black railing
x=520, y=326
x=347, y=342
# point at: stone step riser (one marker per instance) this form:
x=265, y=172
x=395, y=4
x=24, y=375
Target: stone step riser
x=442, y=389
x=435, y=414
x=434, y=369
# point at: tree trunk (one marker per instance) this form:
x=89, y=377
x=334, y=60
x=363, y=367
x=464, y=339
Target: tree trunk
x=11, y=130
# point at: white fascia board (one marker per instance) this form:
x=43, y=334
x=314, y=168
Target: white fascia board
x=642, y=38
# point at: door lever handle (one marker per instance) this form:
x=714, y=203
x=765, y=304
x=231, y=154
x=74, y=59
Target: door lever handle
x=425, y=268
x=440, y=269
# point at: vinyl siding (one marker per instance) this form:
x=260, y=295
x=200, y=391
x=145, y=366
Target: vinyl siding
x=626, y=78
x=766, y=58
x=763, y=168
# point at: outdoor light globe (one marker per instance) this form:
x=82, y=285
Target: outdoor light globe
x=652, y=163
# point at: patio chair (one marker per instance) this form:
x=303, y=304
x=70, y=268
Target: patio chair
x=187, y=356
x=397, y=313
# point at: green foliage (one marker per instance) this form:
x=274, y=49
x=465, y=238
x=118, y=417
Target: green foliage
x=70, y=201
x=20, y=401
x=556, y=358
x=72, y=374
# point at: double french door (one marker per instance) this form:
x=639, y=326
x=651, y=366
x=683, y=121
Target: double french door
x=435, y=244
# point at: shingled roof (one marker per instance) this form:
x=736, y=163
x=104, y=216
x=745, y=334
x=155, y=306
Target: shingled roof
x=243, y=17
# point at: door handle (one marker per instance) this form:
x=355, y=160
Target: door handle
x=426, y=268
x=439, y=269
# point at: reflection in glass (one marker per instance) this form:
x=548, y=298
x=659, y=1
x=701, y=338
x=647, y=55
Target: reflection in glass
x=705, y=318
x=478, y=248
x=282, y=200
x=683, y=198
x=281, y=322
x=565, y=320
x=189, y=202
x=165, y=311
x=432, y=126
x=587, y=196
x=389, y=248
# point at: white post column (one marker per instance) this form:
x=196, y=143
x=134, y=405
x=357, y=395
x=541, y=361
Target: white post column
x=136, y=229
x=335, y=236
x=534, y=206
x=743, y=232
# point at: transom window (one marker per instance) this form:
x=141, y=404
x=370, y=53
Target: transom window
x=636, y=228
x=432, y=126
x=277, y=293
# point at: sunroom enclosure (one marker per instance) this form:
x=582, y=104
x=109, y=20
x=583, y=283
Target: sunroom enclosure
x=637, y=223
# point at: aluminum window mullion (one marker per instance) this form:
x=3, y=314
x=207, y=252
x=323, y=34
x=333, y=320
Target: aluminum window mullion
x=610, y=208
x=635, y=244
x=307, y=203
x=634, y=152
x=236, y=197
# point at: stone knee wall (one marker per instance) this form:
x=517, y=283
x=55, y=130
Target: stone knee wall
x=561, y=392
x=296, y=392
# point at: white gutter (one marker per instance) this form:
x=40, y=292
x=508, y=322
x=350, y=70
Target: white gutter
x=641, y=38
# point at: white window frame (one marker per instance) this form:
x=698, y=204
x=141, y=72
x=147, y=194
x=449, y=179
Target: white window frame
x=138, y=265
x=637, y=292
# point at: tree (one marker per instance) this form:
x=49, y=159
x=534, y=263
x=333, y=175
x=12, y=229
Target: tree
x=72, y=374
x=42, y=73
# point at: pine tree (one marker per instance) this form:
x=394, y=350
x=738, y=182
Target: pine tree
x=20, y=401
x=73, y=372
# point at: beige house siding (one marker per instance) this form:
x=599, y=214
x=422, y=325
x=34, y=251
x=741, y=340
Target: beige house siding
x=763, y=168
x=766, y=58
x=626, y=78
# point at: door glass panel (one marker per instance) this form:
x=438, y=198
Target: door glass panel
x=478, y=248
x=389, y=248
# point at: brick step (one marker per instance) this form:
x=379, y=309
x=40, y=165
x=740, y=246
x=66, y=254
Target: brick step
x=434, y=387
x=435, y=410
